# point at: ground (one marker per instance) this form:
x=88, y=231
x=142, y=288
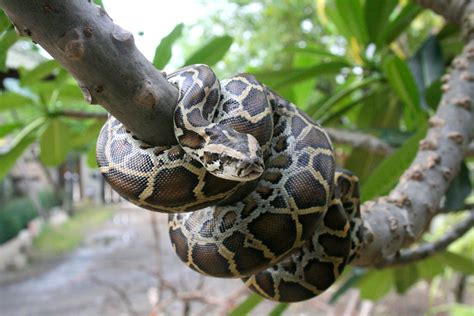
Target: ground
x=120, y=270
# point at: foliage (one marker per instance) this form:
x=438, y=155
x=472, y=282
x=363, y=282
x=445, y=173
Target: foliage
x=66, y=237
x=15, y=216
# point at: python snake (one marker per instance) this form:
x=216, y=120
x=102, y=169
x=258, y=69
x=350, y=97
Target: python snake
x=268, y=205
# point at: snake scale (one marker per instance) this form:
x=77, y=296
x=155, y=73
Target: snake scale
x=268, y=205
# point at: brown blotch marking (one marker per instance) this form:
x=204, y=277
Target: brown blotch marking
x=265, y=282
x=180, y=242
x=228, y=221
x=319, y=274
x=264, y=192
x=207, y=228
x=293, y=292
x=315, y=139
x=176, y=190
x=279, y=202
x=208, y=259
x=236, y=87
x=255, y=102
x=325, y=165
x=196, y=119
x=191, y=140
x=272, y=176
x=297, y=126
x=309, y=223
x=128, y=186
x=306, y=190
x=248, y=260
x=214, y=185
x=140, y=162
x=335, y=246
x=281, y=161
x=121, y=148
x=280, y=144
x=276, y=231
x=250, y=205
x=192, y=99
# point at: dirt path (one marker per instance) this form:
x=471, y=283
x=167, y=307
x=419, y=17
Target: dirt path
x=114, y=272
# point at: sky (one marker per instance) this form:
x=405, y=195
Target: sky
x=154, y=18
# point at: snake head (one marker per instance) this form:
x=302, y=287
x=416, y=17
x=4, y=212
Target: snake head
x=239, y=161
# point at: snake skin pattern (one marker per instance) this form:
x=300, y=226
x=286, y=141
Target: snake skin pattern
x=259, y=175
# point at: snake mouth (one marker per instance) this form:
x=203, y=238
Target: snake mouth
x=251, y=170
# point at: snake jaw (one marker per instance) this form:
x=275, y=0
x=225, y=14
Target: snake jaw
x=240, y=168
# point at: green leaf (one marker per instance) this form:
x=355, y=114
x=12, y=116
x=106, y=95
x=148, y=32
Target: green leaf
x=457, y=262
x=433, y=94
x=247, y=306
x=387, y=173
x=401, y=22
x=427, y=65
x=55, y=143
x=403, y=83
x=164, y=49
x=13, y=101
x=7, y=39
x=459, y=189
x=279, y=309
x=375, y=284
x=405, y=277
x=19, y=144
x=88, y=136
x=318, y=110
x=211, y=53
x=377, y=14
x=281, y=79
x=8, y=128
x=430, y=267
x=39, y=72
x=99, y=2
x=353, y=17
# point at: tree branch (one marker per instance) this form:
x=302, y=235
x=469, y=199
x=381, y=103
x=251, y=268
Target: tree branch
x=359, y=140
x=104, y=60
x=398, y=220
x=430, y=249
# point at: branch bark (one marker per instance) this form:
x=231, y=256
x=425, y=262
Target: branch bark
x=398, y=220
x=104, y=60
x=430, y=249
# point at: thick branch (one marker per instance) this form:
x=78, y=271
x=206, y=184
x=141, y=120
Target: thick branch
x=429, y=249
x=359, y=140
x=400, y=219
x=104, y=60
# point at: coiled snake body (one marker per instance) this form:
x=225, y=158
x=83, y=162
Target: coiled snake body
x=269, y=206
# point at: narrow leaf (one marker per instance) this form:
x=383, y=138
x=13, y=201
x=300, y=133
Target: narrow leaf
x=19, y=144
x=8, y=128
x=427, y=65
x=386, y=175
x=401, y=22
x=403, y=83
x=375, y=284
x=353, y=17
x=164, y=49
x=211, y=53
x=7, y=39
x=279, y=309
x=405, y=277
x=13, y=101
x=39, y=72
x=377, y=14
x=457, y=262
x=247, y=306
x=55, y=143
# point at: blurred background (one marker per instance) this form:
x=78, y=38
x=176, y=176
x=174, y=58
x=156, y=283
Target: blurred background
x=365, y=69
